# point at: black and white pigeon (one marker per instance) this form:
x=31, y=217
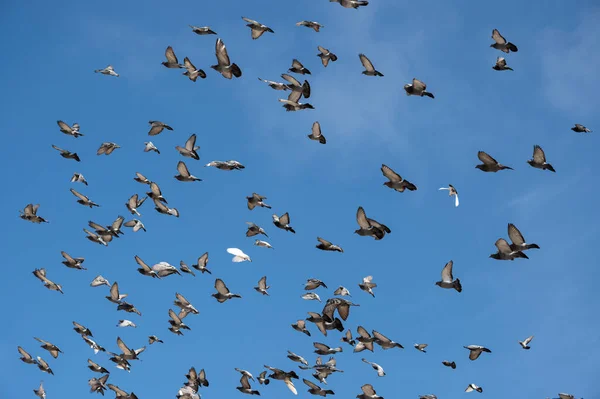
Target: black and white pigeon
x=202, y=30
x=451, y=192
x=380, y=371
x=501, y=65
x=473, y=387
x=525, y=343
x=69, y=130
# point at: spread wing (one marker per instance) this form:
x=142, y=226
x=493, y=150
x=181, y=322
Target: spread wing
x=285, y=219
x=366, y=63
x=262, y=283
x=64, y=126
x=311, y=384
x=251, y=21
x=321, y=346
x=116, y=225
x=170, y=54
x=498, y=37
x=221, y=53
x=316, y=129
x=183, y=170
x=123, y=347
x=114, y=291
x=361, y=218
x=297, y=64
x=486, y=158
x=221, y=287
x=538, y=154
x=143, y=264
x=447, y=272
x=418, y=85
x=380, y=337
x=191, y=143
x=368, y=390
x=390, y=174
x=294, y=96
x=235, y=251
x=293, y=81
x=515, y=235
x=79, y=195
x=188, y=65
x=362, y=332
x=503, y=246
x=290, y=385
x=203, y=259
x=155, y=189
x=322, y=50
x=528, y=340
x=324, y=242
x=244, y=382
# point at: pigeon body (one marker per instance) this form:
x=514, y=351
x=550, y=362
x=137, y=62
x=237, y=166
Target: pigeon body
x=489, y=164
x=417, y=88
x=578, y=128
x=501, y=65
x=476, y=350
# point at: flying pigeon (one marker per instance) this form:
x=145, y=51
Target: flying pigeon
x=368, y=65
x=505, y=252
x=171, y=61
x=298, y=68
x=417, y=88
x=69, y=130
x=202, y=30
x=326, y=56
x=501, y=65
x=109, y=70
x=580, y=129
x=539, y=159
x=489, y=164
x=257, y=29
x=451, y=192
x=396, y=182
x=316, y=133
x=476, y=350
x=156, y=127
x=447, y=279
x=310, y=24
x=238, y=255
x=149, y=146
x=376, y=367
x=501, y=43
x=525, y=343
x=224, y=65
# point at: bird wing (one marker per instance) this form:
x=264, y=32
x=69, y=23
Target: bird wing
x=141, y=176
x=143, y=264
x=24, y=353
x=474, y=354
x=368, y=390
x=251, y=21
x=290, y=385
x=469, y=388
x=174, y=316
x=515, y=235
x=155, y=189
x=447, y=272
x=528, y=340
x=156, y=129
x=64, y=126
x=221, y=287
x=380, y=337
x=366, y=63
x=363, y=332
x=123, y=347
x=294, y=96
x=183, y=170
x=311, y=384
x=321, y=346
x=498, y=37
x=203, y=259
x=538, y=155
x=324, y=242
x=292, y=80
x=486, y=158
x=170, y=54
x=501, y=62
x=418, y=85
x=361, y=218
x=316, y=129
x=191, y=143
x=79, y=195
x=297, y=64
x=503, y=246
x=221, y=53
x=114, y=291
x=67, y=257
x=322, y=50
x=262, y=283
x=235, y=252
x=285, y=219
x=161, y=206
x=116, y=225
x=390, y=174
x=188, y=65
x=244, y=382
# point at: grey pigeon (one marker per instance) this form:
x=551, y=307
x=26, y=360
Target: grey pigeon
x=539, y=159
x=501, y=43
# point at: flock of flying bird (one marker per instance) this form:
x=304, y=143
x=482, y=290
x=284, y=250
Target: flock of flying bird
x=336, y=309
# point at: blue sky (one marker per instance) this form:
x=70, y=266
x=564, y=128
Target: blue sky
x=54, y=49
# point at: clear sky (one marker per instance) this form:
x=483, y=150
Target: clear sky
x=51, y=50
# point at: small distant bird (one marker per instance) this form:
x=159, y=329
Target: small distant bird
x=184, y=173
x=162, y=208
x=427, y=397
x=171, y=61
x=326, y=56
x=322, y=349
x=539, y=159
x=297, y=67
x=286, y=377
x=164, y=269
x=202, y=30
x=450, y=364
x=580, y=129
x=314, y=389
x=149, y=146
x=264, y=244
x=40, y=392
x=107, y=148
x=262, y=286
x=501, y=65
x=191, y=71
x=40, y=274
x=126, y=323
x=310, y=24
x=421, y=347
x=368, y=65
x=153, y=338
x=82, y=330
x=328, y=246
x=98, y=384
x=376, y=367
x=396, y=182
x=369, y=227
x=50, y=347
x=245, y=386
x=190, y=148
x=292, y=103
x=417, y=88
x=525, y=343
x=297, y=358
x=257, y=29
x=201, y=264
x=133, y=203
x=501, y=43
x=451, y=192
x=109, y=70
x=300, y=326
x=316, y=133
x=254, y=229
x=73, y=263
x=473, y=387
x=351, y=3
x=97, y=368
x=505, y=252
x=367, y=285
x=342, y=291
x=384, y=341
x=156, y=127
x=29, y=213
x=42, y=365
x=69, y=130
x=224, y=65
x=476, y=350
x=257, y=200
x=185, y=268
x=275, y=85
x=566, y=396
x=78, y=178
x=294, y=85
x=283, y=222
x=447, y=279
x=98, y=281
x=313, y=284
x=67, y=154
x=136, y=224
x=311, y=296
x=83, y=200
x=238, y=255
x=347, y=338
x=226, y=165
x=368, y=390
x=25, y=356
x=518, y=241
x=140, y=178
x=489, y=164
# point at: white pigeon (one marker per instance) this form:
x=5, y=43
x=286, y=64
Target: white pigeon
x=525, y=344
x=98, y=281
x=452, y=192
x=151, y=147
x=473, y=387
x=126, y=323
x=376, y=367
x=109, y=70
x=311, y=296
x=238, y=255
x=136, y=224
x=260, y=243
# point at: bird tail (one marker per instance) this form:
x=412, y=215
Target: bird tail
x=428, y=94
x=520, y=254
x=532, y=246
x=237, y=72
x=457, y=285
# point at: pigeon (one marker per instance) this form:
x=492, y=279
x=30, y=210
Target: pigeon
x=162, y=208
x=292, y=103
x=501, y=43
x=298, y=68
x=42, y=365
x=539, y=159
x=144, y=269
x=327, y=56
x=96, y=367
x=40, y=274
x=185, y=268
x=226, y=165
x=257, y=200
x=476, y=350
x=245, y=386
x=107, y=148
x=67, y=154
x=566, y=396
x=368, y=391
x=73, y=263
x=314, y=389
x=69, y=130
x=135, y=224
x=342, y=291
x=25, y=356
x=238, y=255
x=325, y=245
x=518, y=241
x=83, y=200
x=314, y=283
x=275, y=85
x=339, y=304
x=347, y=338
x=297, y=358
x=133, y=203
x=283, y=222
x=489, y=164
x=322, y=349
x=262, y=286
x=300, y=326
x=184, y=173
x=421, y=347
x=295, y=86
x=96, y=348
x=417, y=88
x=580, y=129
x=473, y=387
x=311, y=296
x=384, y=341
x=447, y=363
x=82, y=330
x=368, y=65
x=149, y=146
x=254, y=229
x=501, y=65
x=171, y=61
x=310, y=24
x=427, y=397
x=505, y=252
x=202, y=30
x=365, y=340
x=264, y=244
x=156, y=127
x=257, y=29
x=351, y=3
x=78, y=178
x=126, y=323
x=262, y=378
x=140, y=178
x=376, y=367
x=201, y=264
x=109, y=70
x=316, y=133
x=281, y=375
x=190, y=148
x=447, y=279
x=396, y=182
x=155, y=193
x=182, y=303
x=369, y=227
x=224, y=65
x=367, y=285
x=191, y=71
x=246, y=373
x=29, y=213
x=98, y=281
x=451, y=192
x=164, y=269
x=525, y=343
